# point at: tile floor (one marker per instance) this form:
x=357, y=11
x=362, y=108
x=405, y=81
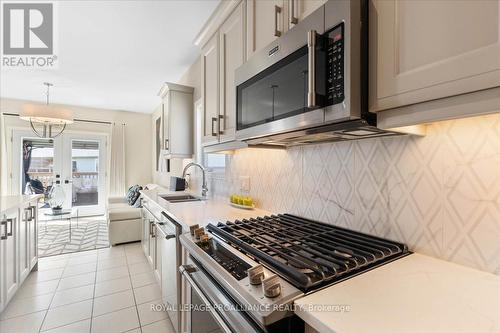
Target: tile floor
x=107, y=290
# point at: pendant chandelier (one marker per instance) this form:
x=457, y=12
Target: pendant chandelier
x=47, y=121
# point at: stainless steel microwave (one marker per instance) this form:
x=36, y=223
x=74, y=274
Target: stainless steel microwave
x=311, y=84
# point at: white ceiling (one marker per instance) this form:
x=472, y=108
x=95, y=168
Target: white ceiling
x=115, y=54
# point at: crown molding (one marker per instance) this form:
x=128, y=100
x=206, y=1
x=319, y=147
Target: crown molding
x=213, y=23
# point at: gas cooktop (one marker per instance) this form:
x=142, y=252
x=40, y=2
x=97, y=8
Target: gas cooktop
x=307, y=253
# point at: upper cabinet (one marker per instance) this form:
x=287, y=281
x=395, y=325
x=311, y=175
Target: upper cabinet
x=177, y=120
x=426, y=50
x=221, y=55
x=236, y=30
x=232, y=56
x=210, y=90
x=265, y=22
x=300, y=9
x=269, y=19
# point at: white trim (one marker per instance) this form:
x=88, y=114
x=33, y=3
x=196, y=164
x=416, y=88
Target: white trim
x=221, y=13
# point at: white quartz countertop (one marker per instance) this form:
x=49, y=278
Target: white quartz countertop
x=12, y=201
x=415, y=294
x=200, y=212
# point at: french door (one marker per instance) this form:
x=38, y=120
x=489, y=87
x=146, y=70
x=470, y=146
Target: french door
x=75, y=161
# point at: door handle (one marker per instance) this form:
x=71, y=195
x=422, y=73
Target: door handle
x=277, y=11
x=293, y=18
x=221, y=122
x=9, y=221
x=311, y=68
x=214, y=119
x=3, y=226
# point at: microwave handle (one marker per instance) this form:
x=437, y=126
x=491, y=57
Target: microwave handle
x=185, y=271
x=311, y=68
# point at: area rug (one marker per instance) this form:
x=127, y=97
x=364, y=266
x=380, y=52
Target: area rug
x=89, y=233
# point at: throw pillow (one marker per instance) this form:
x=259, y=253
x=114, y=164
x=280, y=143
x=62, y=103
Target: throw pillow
x=133, y=194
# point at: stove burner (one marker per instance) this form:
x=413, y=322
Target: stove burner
x=307, y=253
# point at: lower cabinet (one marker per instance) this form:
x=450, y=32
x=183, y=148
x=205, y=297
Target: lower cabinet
x=10, y=256
x=168, y=240
x=145, y=232
x=152, y=244
x=32, y=235
x=23, y=239
x=158, y=253
x=161, y=245
x=18, y=248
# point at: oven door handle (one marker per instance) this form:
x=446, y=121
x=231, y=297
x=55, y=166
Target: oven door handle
x=311, y=69
x=186, y=270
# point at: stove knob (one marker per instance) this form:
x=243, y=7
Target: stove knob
x=256, y=274
x=193, y=228
x=199, y=232
x=272, y=286
x=204, y=238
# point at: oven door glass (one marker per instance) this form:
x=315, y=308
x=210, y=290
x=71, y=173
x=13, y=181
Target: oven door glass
x=211, y=309
x=281, y=90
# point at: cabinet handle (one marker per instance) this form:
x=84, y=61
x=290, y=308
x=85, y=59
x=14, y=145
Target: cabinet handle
x=293, y=18
x=221, y=122
x=151, y=224
x=214, y=119
x=29, y=213
x=11, y=222
x=311, y=68
x=167, y=147
x=3, y=225
x=277, y=11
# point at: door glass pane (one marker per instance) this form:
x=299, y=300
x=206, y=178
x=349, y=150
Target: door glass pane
x=201, y=321
x=37, y=165
x=85, y=172
x=278, y=92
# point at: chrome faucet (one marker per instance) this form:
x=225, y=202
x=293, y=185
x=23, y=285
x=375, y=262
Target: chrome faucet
x=204, y=188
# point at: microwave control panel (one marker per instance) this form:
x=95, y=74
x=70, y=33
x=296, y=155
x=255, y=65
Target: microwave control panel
x=335, y=66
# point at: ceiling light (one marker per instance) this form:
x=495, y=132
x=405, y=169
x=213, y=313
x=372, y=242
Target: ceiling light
x=47, y=121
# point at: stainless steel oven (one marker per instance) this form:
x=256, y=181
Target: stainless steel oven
x=313, y=76
x=220, y=297
x=210, y=308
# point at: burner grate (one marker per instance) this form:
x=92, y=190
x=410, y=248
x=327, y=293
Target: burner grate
x=307, y=253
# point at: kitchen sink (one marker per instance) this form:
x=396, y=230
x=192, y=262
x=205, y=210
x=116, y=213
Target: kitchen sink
x=180, y=198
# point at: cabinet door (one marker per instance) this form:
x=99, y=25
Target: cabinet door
x=158, y=254
x=166, y=123
x=169, y=275
x=265, y=22
x=300, y=9
x=145, y=232
x=232, y=56
x=23, y=239
x=152, y=244
x=210, y=90
x=10, y=274
x=426, y=50
x=33, y=236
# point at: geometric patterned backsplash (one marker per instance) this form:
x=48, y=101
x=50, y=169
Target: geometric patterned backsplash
x=440, y=194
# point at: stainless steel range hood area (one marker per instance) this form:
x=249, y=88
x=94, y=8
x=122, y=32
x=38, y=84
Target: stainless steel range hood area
x=334, y=132
x=331, y=45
